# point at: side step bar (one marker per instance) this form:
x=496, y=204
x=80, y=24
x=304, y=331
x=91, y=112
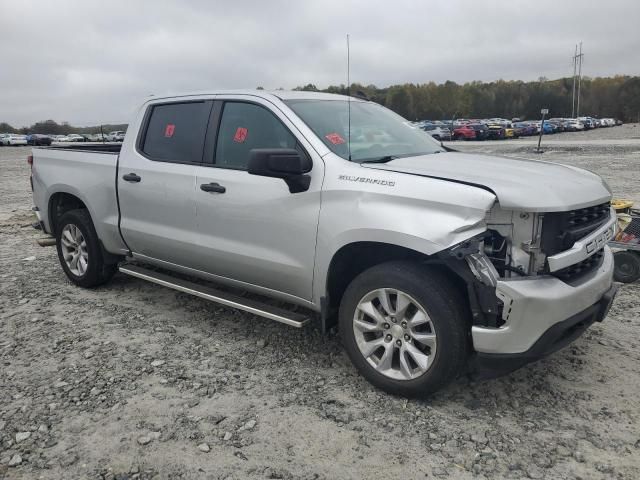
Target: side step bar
x=257, y=308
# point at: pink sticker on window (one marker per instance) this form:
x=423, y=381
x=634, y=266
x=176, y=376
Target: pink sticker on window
x=335, y=138
x=169, y=129
x=241, y=135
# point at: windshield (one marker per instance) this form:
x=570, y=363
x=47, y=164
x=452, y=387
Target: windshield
x=376, y=132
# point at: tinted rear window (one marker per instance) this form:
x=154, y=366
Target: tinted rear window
x=176, y=132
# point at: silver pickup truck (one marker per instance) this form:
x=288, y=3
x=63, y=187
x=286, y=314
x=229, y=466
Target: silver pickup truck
x=430, y=263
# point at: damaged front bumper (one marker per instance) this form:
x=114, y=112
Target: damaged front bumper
x=556, y=337
x=517, y=320
x=532, y=305
x=541, y=315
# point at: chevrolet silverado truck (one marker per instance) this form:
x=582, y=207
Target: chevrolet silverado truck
x=430, y=263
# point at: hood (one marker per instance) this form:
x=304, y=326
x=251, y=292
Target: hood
x=528, y=185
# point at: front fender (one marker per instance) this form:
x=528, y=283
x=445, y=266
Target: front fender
x=422, y=214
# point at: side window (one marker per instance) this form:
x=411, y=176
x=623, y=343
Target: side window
x=176, y=132
x=245, y=126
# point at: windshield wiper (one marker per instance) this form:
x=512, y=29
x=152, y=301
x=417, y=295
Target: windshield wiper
x=385, y=159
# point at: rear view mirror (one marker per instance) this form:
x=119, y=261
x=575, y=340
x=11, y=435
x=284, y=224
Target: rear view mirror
x=285, y=163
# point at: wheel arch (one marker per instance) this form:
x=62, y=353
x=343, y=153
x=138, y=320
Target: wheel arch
x=353, y=258
x=61, y=202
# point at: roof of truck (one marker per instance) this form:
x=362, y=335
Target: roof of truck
x=281, y=94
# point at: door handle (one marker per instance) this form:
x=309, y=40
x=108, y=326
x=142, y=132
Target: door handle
x=131, y=177
x=212, y=187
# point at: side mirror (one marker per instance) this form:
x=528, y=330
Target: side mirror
x=285, y=163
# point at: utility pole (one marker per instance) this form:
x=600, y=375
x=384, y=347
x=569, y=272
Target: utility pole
x=573, y=91
x=580, y=57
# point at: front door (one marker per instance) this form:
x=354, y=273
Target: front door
x=252, y=229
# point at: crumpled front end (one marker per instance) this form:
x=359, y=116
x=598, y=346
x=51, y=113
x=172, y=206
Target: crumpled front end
x=537, y=279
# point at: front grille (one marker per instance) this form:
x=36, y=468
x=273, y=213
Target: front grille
x=577, y=269
x=560, y=230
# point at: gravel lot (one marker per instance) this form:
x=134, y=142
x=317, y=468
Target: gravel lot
x=132, y=380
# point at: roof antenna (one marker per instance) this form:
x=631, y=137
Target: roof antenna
x=348, y=100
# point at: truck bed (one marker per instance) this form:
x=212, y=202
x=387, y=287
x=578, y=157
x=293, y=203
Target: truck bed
x=92, y=147
x=87, y=172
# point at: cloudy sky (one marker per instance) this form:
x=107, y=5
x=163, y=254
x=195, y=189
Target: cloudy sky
x=89, y=62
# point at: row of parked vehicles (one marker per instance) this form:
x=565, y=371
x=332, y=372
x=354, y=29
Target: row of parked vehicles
x=37, y=139
x=500, y=128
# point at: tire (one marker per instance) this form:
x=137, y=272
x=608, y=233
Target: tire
x=95, y=271
x=448, y=318
x=627, y=266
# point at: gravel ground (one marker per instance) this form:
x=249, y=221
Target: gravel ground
x=132, y=380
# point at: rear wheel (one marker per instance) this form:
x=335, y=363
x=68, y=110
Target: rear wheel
x=79, y=250
x=405, y=328
x=627, y=266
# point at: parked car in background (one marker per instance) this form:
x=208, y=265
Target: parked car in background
x=438, y=132
x=548, y=128
x=37, y=139
x=574, y=125
x=503, y=122
x=524, y=129
x=587, y=122
x=470, y=132
x=74, y=137
x=509, y=131
x=98, y=137
x=556, y=124
x=14, y=139
x=117, y=136
x=566, y=124
x=496, y=131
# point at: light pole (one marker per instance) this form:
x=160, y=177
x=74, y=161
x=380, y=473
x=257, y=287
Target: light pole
x=580, y=57
x=573, y=90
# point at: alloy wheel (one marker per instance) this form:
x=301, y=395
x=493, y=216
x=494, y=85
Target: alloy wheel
x=395, y=334
x=74, y=249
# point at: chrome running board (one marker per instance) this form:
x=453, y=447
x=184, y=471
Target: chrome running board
x=292, y=319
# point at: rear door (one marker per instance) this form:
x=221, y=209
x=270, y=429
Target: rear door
x=254, y=230
x=156, y=182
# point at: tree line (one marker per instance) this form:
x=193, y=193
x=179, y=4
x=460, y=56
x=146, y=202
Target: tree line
x=615, y=97
x=54, y=128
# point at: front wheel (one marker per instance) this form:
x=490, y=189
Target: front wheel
x=626, y=266
x=405, y=327
x=79, y=250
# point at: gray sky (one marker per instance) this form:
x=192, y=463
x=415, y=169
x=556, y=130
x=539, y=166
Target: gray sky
x=90, y=62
